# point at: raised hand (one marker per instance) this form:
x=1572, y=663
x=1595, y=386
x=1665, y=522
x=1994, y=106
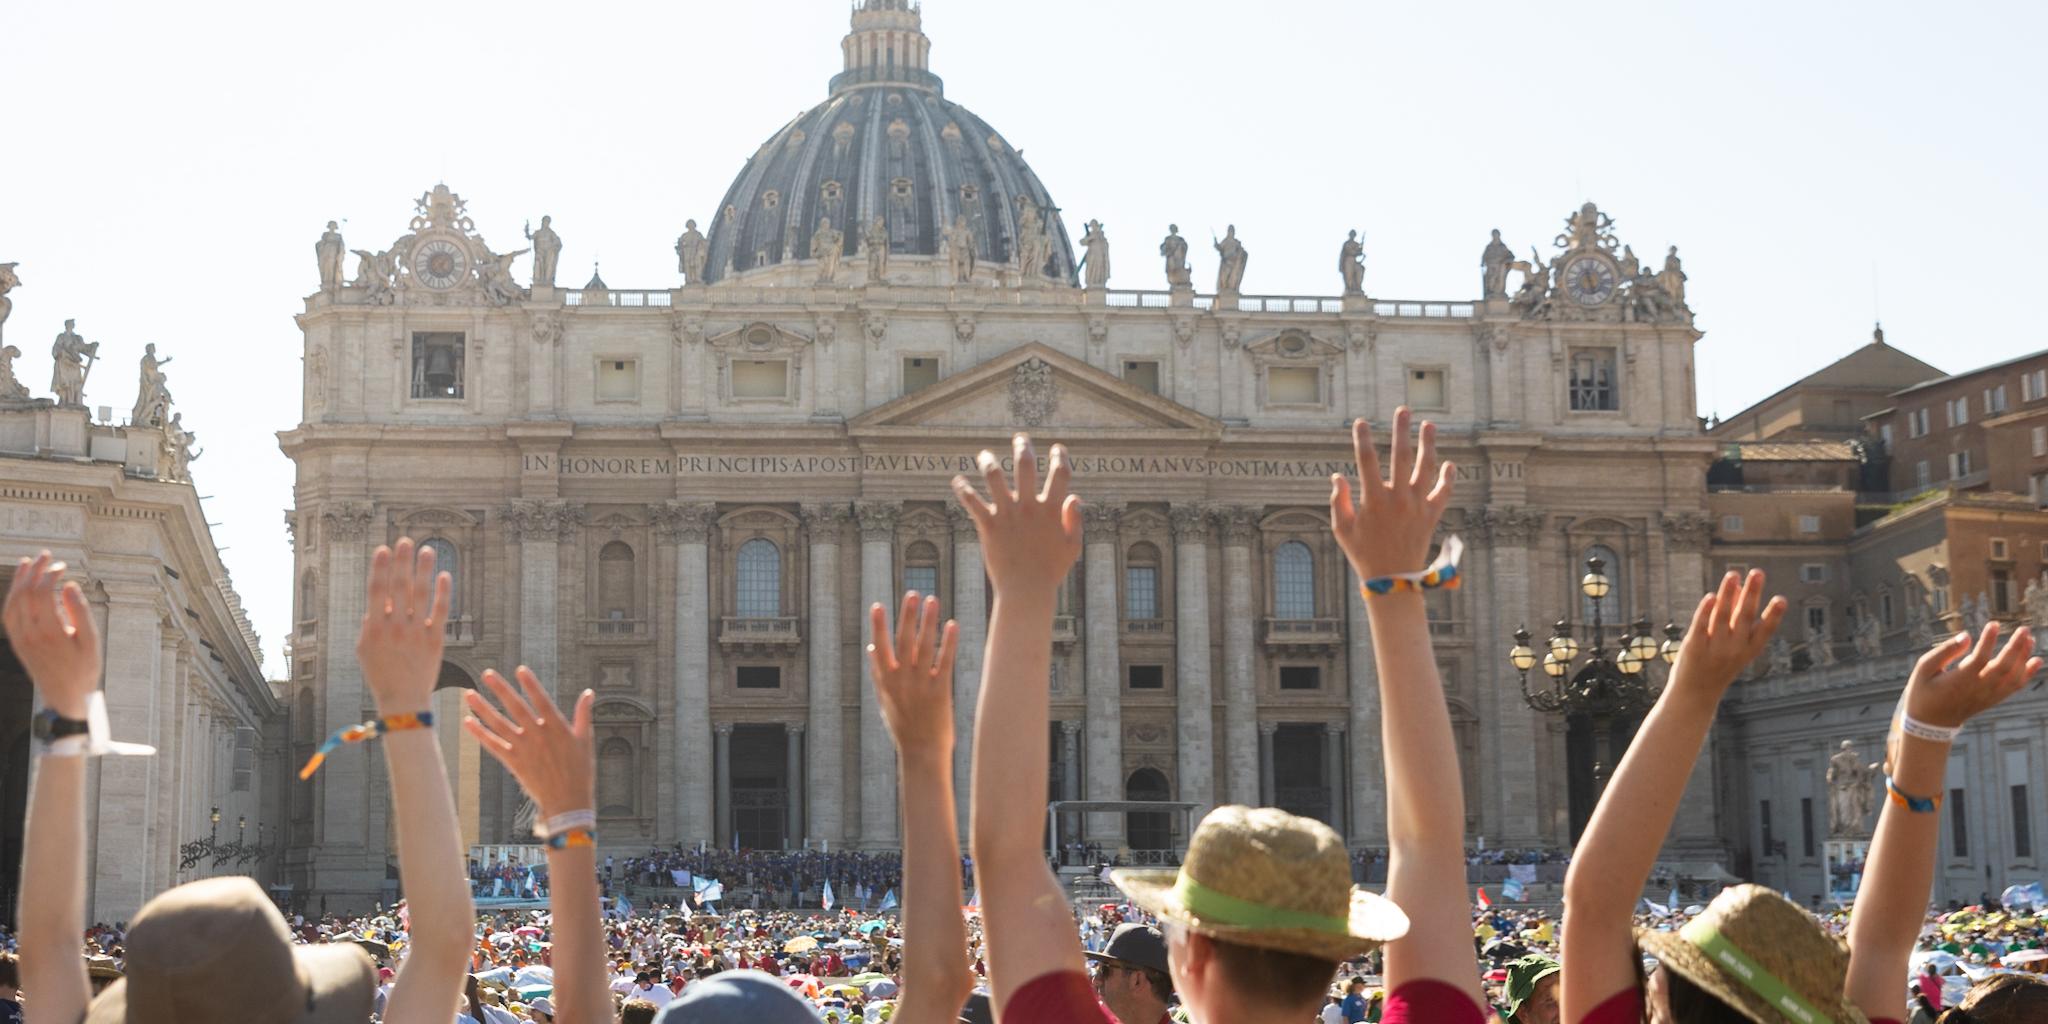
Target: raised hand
x=551, y=755
x=1030, y=537
x=1727, y=633
x=914, y=674
x=399, y=647
x=1389, y=528
x=53, y=634
x=1956, y=681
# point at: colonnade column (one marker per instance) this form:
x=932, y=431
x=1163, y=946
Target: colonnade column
x=793, y=743
x=722, y=834
x=969, y=608
x=1070, y=775
x=1104, y=778
x=1267, y=730
x=1240, y=691
x=690, y=523
x=1195, y=744
x=341, y=790
x=827, y=764
x=540, y=527
x=877, y=755
x=126, y=794
x=1368, y=798
x=1333, y=771
x=1686, y=536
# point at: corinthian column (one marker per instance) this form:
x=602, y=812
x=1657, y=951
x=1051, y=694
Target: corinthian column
x=1368, y=798
x=970, y=610
x=877, y=754
x=1195, y=746
x=689, y=525
x=341, y=789
x=540, y=527
x=1509, y=530
x=1240, y=695
x=1105, y=750
x=827, y=770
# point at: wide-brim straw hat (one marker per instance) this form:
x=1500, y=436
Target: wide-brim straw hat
x=217, y=951
x=1263, y=877
x=1761, y=954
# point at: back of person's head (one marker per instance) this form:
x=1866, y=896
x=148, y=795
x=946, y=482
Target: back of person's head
x=739, y=997
x=10, y=970
x=1691, y=1004
x=2002, y=999
x=637, y=1011
x=1277, y=977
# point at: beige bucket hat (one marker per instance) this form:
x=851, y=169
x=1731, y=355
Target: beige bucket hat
x=1758, y=952
x=1266, y=878
x=217, y=950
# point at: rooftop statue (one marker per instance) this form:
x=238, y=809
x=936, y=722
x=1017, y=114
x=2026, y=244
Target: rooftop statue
x=495, y=274
x=73, y=357
x=152, y=394
x=875, y=246
x=1230, y=271
x=826, y=247
x=547, y=249
x=11, y=387
x=692, y=249
x=1096, y=261
x=1672, y=279
x=1175, y=249
x=1034, y=246
x=329, y=250
x=1852, y=791
x=1495, y=261
x=960, y=250
x=1351, y=264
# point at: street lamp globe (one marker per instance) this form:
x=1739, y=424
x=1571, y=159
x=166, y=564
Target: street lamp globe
x=1641, y=643
x=1554, y=667
x=1628, y=663
x=1562, y=643
x=1672, y=638
x=1522, y=656
x=1595, y=583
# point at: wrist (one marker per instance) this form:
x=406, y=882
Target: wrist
x=934, y=755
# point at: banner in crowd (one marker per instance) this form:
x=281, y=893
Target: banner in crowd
x=1523, y=873
x=1511, y=890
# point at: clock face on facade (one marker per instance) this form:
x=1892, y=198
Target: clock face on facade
x=1589, y=281
x=440, y=264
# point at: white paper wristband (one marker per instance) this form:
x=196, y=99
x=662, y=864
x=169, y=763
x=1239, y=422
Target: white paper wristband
x=1936, y=733
x=565, y=821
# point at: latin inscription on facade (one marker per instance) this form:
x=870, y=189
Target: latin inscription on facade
x=614, y=466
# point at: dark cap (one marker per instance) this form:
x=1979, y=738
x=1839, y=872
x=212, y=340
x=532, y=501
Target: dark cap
x=1135, y=945
x=738, y=997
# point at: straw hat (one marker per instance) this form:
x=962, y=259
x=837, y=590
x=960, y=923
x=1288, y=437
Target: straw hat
x=1761, y=954
x=217, y=950
x=1263, y=877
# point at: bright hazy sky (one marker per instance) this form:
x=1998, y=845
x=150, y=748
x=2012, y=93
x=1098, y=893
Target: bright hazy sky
x=166, y=168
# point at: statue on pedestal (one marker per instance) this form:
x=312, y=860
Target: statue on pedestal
x=152, y=394
x=1535, y=284
x=692, y=249
x=1034, y=246
x=1976, y=614
x=547, y=248
x=1096, y=261
x=1852, y=792
x=1351, y=264
x=960, y=251
x=11, y=387
x=1780, y=653
x=376, y=272
x=1494, y=263
x=1175, y=249
x=329, y=249
x=1672, y=279
x=1630, y=266
x=1819, y=648
x=1869, y=643
x=875, y=244
x=1230, y=269
x=73, y=357
x=2036, y=602
x=177, y=452
x=496, y=274
x=826, y=247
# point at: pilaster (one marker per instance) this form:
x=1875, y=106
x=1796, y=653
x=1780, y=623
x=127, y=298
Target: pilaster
x=1238, y=528
x=877, y=754
x=1104, y=777
x=1194, y=744
x=827, y=525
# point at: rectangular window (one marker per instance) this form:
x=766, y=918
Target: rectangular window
x=2000, y=549
x=1922, y=477
x=1142, y=374
x=2001, y=592
x=2037, y=485
x=437, y=364
x=1958, y=825
x=1806, y=826
x=922, y=578
x=1813, y=572
x=760, y=378
x=1426, y=389
x=2039, y=436
x=1939, y=595
x=1592, y=381
x=1809, y=524
x=1817, y=617
x=618, y=380
x=1994, y=400
x=2022, y=825
x=1958, y=411
x=1763, y=811
x=919, y=372
x=760, y=677
x=1301, y=677
x=1731, y=524
x=1884, y=610
x=2034, y=385
x=1141, y=592
x=1916, y=423
x=245, y=758
x=1958, y=465
x=1294, y=385
x=1884, y=435
x=1147, y=677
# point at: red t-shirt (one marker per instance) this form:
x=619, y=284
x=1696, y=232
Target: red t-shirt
x=1061, y=997
x=1627, y=1008
x=1431, y=1002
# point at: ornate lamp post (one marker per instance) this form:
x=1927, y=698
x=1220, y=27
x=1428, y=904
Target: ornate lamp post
x=1608, y=684
x=190, y=854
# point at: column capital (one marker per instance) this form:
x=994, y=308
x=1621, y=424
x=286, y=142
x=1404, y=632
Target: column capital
x=542, y=520
x=1267, y=729
x=1237, y=523
x=825, y=520
x=793, y=729
x=1070, y=728
x=1101, y=520
x=1190, y=523
x=877, y=519
x=961, y=522
x=687, y=522
x=347, y=520
x=723, y=729
x=1688, y=531
x=1511, y=524
x=1333, y=728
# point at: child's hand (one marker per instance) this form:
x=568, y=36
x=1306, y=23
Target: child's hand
x=1955, y=682
x=1390, y=529
x=1029, y=538
x=53, y=634
x=914, y=676
x=551, y=755
x=1727, y=633
x=399, y=647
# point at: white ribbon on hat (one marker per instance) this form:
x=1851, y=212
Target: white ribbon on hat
x=98, y=740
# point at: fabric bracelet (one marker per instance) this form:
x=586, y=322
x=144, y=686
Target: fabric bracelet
x=575, y=837
x=363, y=733
x=565, y=821
x=1937, y=733
x=98, y=739
x=1738, y=966
x=1221, y=908
x=1442, y=573
x=1916, y=804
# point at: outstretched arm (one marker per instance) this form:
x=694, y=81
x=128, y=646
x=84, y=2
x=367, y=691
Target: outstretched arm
x=554, y=760
x=1389, y=532
x=1950, y=685
x=914, y=679
x=1029, y=541
x=400, y=652
x=1620, y=845
x=52, y=632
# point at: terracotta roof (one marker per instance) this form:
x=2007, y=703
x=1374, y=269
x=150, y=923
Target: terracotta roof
x=1797, y=451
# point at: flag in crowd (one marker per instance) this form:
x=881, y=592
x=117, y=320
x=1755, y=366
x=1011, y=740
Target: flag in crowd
x=828, y=895
x=1511, y=890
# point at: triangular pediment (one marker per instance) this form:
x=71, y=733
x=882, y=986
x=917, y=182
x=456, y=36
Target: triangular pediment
x=1036, y=387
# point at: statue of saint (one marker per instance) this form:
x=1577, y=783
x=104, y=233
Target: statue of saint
x=1175, y=249
x=692, y=250
x=1630, y=266
x=876, y=244
x=960, y=250
x=1230, y=272
x=1852, y=791
x=1672, y=280
x=178, y=453
x=826, y=247
x=1033, y=246
x=1819, y=647
x=153, y=394
x=1351, y=264
x=1096, y=260
x=1494, y=262
x=73, y=357
x=1780, y=652
x=11, y=387
x=329, y=249
x=547, y=248
x=1869, y=642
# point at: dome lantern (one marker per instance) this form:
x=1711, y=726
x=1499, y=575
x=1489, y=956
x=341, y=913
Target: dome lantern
x=887, y=44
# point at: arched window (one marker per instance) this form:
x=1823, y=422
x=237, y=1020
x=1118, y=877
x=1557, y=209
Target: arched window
x=307, y=590
x=615, y=581
x=615, y=790
x=446, y=561
x=1141, y=582
x=1148, y=830
x=760, y=580
x=1294, y=581
x=1614, y=608
x=921, y=569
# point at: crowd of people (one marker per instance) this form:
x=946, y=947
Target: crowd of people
x=786, y=877
x=1260, y=920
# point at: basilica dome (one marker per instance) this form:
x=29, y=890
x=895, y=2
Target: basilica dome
x=888, y=144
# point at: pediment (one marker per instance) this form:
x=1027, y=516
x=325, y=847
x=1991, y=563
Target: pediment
x=1035, y=387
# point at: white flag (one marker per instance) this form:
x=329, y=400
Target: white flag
x=828, y=895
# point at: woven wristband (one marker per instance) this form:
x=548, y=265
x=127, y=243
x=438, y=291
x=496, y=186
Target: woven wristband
x=364, y=733
x=1916, y=804
x=565, y=821
x=575, y=837
x=1440, y=574
x=1936, y=733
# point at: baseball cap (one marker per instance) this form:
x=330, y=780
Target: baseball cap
x=738, y=997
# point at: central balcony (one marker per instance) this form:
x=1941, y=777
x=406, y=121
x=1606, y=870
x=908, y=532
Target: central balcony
x=1303, y=634
x=758, y=633
x=614, y=630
